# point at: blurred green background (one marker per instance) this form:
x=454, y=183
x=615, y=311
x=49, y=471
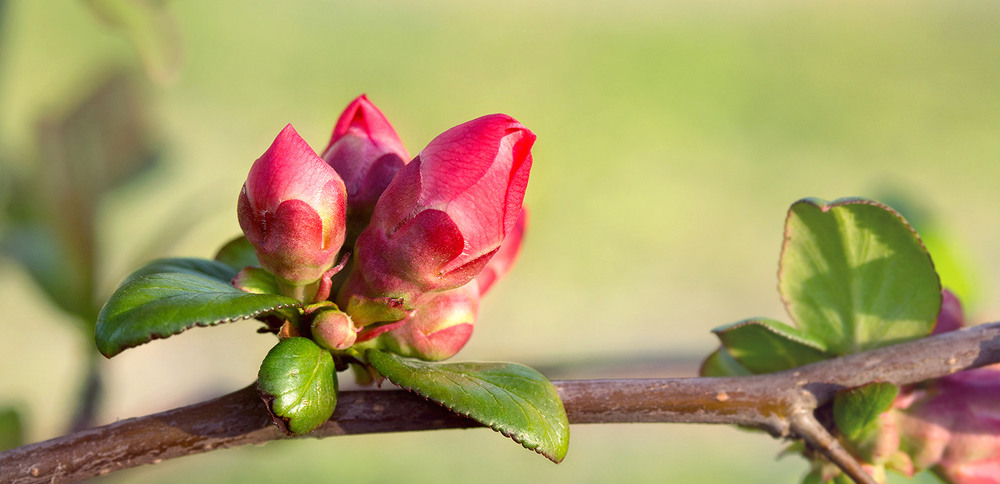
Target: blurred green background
x=672, y=137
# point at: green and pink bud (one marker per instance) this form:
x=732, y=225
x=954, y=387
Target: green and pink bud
x=437, y=329
x=446, y=213
x=333, y=329
x=292, y=210
x=367, y=153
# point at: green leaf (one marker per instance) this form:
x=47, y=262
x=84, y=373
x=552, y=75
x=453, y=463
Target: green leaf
x=815, y=476
x=856, y=410
x=195, y=267
x=169, y=296
x=955, y=265
x=238, y=253
x=298, y=381
x=842, y=479
x=765, y=346
x=256, y=280
x=953, y=260
x=721, y=363
x=11, y=429
x=514, y=400
x=854, y=275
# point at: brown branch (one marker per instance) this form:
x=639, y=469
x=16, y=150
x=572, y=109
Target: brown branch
x=806, y=427
x=780, y=403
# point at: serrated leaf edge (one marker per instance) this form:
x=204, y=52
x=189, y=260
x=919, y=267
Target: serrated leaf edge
x=451, y=409
x=178, y=263
x=488, y=424
x=816, y=345
x=200, y=324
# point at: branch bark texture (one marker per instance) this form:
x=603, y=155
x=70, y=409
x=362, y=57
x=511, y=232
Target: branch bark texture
x=780, y=403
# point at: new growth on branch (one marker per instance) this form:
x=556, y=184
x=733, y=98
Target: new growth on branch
x=364, y=259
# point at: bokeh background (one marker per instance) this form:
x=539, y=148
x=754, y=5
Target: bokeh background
x=672, y=137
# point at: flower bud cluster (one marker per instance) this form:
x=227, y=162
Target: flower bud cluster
x=426, y=237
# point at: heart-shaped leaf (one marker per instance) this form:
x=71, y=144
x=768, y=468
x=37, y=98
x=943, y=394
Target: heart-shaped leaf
x=765, y=346
x=298, y=381
x=514, y=400
x=854, y=275
x=169, y=296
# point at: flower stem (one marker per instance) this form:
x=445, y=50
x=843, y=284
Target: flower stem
x=305, y=293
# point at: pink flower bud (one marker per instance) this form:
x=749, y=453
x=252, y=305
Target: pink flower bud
x=502, y=261
x=954, y=426
x=366, y=152
x=333, y=329
x=951, y=316
x=447, y=212
x=439, y=328
x=292, y=209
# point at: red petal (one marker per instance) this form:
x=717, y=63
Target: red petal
x=288, y=170
x=502, y=261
